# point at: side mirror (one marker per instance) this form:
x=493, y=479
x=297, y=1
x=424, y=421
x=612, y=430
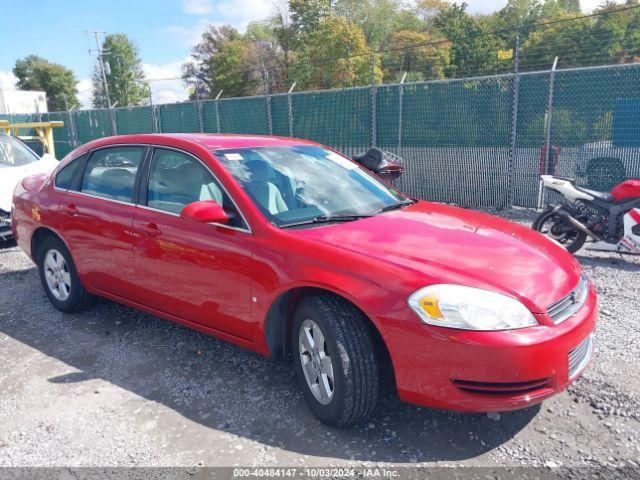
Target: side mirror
x=205, y=211
x=383, y=164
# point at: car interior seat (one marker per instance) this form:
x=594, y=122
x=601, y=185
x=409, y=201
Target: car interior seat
x=262, y=190
x=116, y=183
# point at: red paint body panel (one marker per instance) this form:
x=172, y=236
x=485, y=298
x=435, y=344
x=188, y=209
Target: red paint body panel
x=202, y=274
x=627, y=189
x=222, y=280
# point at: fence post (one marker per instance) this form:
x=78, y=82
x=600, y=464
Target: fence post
x=373, y=95
x=552, y=78
x=547, y=142
x=73, y=135
x=267, y=100
x=217, y=105
x=290, y=108
x=157, y=126
x=400, y=102
x=199, y=107
x=114, y=122
x=269, y=119
x=514, y=123
x=154, y=123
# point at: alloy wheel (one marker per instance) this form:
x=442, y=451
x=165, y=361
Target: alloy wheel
x=57, y=275
x=316, y=361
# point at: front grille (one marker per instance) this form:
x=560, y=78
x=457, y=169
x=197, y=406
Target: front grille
x=569, y=305
x=500, y=388
x=580, y=356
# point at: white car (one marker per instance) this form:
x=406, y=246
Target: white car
x=16, y=162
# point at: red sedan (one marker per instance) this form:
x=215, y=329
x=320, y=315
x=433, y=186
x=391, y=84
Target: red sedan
x=286, y=247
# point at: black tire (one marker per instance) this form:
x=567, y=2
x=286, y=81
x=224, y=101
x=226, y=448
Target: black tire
x=575, y=238
x=78, y=298
x=353, y=355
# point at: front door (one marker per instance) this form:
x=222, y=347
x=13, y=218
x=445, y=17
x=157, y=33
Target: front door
x=99, y=217
x=196, y=271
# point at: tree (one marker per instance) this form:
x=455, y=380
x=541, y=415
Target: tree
x=126, y=82
x=519, y=14
x=570, y=6
x=264, y=59
x=611, y=33
x=473, y=49
x=418, y=54
x=219, y=62
x=307, y=14
x=427, y=9
x=336, y=56
x=285, y=34
x=566, y=40
x=376, y=18
x=36, y=73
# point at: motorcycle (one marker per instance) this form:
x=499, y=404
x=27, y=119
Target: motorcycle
x=610, y=220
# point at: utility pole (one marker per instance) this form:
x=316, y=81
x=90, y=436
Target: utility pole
x=100, y=53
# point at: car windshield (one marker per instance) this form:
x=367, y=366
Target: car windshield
x=13, y=153
x=296, y=185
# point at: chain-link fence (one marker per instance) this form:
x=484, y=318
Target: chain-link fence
x=480, y=141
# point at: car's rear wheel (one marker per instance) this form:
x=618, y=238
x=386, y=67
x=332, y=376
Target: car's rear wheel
x=335, y=360
x=59, y=277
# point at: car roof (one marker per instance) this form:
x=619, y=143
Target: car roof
x=216, y=141
x=210, y=141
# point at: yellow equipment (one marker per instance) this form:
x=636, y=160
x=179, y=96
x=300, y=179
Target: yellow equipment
x=43, y=130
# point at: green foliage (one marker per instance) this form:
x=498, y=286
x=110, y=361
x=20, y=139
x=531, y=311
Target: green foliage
x=336, y=55
x=472, y=50
x=219, y=62
x=126, y=82
x=376, y=18
x=330, y=43
x=428, y=61
x=519, y=14
x=37, y=73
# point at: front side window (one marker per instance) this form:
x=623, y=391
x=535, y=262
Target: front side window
x=64, y=178
x=111, y=173
x=295, y=184
x=13, y=153
x=177, y=179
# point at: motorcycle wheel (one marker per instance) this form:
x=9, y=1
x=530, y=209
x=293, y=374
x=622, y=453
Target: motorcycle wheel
x=554, y=226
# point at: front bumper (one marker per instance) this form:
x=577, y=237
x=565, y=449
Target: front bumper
x=490, y=371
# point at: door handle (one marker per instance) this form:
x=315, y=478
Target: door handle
x=71, y=209
x=151, y=229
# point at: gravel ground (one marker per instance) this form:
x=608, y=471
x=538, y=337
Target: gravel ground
x=115, y=387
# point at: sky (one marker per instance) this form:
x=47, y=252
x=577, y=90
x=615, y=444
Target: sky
x=164, y=30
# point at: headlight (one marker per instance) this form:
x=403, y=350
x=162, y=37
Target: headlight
x=468, y=308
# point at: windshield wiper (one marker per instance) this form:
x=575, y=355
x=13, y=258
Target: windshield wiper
x=326, y=219
x=396, y=206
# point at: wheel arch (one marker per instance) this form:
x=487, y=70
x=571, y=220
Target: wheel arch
x=279, y=319
x=39, y=235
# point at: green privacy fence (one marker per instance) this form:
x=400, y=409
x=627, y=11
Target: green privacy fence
x=479, y=141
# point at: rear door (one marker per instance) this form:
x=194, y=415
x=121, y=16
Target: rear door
x=197, y=271
x=99, y=215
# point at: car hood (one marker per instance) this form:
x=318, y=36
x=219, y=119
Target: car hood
x=10, y=176
x=443, y=244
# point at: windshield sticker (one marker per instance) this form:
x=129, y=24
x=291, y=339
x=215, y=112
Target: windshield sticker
x=233, y=156
x=343, y=162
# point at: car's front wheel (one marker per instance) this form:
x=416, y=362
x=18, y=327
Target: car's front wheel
x=335, y=360
x=59, y=277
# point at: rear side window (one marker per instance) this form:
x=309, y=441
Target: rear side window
x=64, y=178
x=111, y=173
